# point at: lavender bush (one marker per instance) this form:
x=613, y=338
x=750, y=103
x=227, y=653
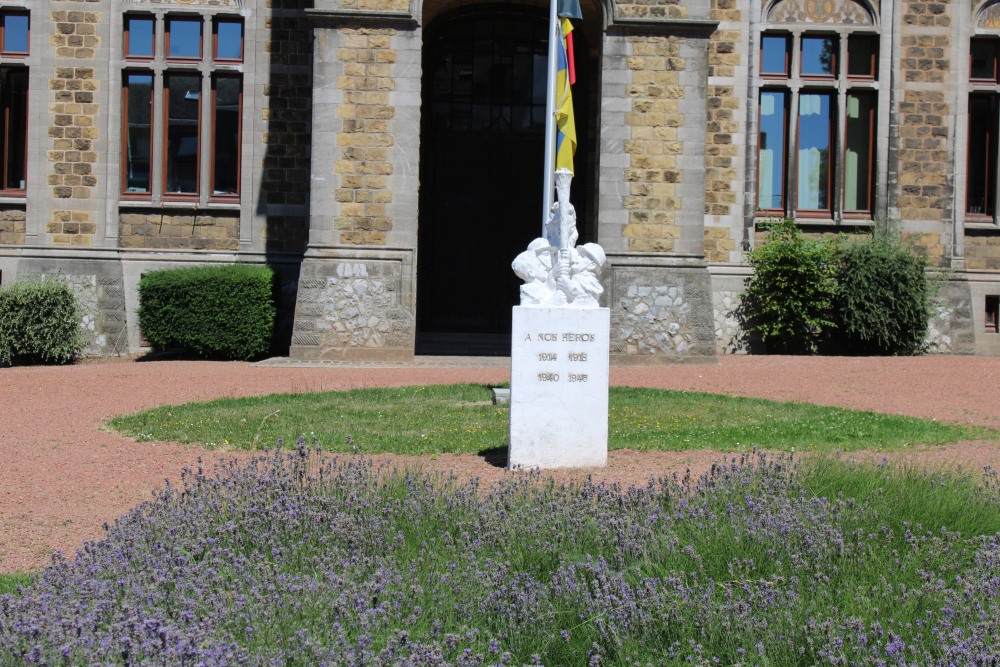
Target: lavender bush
x=300, y=559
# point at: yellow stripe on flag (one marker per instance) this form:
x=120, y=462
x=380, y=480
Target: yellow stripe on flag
x=565, y=123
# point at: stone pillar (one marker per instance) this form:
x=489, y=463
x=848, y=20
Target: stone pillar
x=356, y=287
x=652, y=199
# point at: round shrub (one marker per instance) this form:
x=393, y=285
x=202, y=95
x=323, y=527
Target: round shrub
x=222, y=311
x=39, y=323
x=883, y=299
x=788, y=299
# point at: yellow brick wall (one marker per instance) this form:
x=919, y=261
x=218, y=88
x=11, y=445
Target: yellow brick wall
x=73, y=114
x=363, y=167
x=12, y=225
x=654, y=147
x=925, y=189
x=181, y=231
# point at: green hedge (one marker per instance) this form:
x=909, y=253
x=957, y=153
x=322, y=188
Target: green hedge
x=883, y=298
x=864, y=295
x=213, y=311
x=39, y=323
x=788, y=300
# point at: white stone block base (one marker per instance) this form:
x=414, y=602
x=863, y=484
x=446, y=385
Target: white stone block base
x=559, y=387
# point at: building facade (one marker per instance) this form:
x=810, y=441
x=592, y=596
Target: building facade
x=384, y=156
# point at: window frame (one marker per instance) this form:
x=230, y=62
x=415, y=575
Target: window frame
x=983, y=88
x=162, y=69
x=4, y=13
x=839, y=87
x=12, y=62
x=225, y=196
x=125, y=193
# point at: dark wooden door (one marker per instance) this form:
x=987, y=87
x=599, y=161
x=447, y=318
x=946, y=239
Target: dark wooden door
x=480, y=175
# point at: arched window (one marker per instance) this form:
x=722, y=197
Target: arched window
x=817, y=110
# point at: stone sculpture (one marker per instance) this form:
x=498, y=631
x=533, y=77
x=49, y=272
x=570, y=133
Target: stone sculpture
x=555, y=272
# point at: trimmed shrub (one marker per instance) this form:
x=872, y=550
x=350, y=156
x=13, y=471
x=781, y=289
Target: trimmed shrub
x=788, y=300
x=39, y=323
x=213, y=311
x=883, y=299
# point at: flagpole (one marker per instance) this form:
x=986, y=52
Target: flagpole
x=550, y=114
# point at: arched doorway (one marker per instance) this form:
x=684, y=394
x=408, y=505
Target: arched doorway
x=483, y=120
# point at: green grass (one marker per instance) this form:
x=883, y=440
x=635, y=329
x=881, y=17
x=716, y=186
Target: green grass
x=462, y=419
x=910, y=497
x=10, y=582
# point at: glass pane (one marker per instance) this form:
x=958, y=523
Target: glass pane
x=860, y=152
x=15, y=33
x=818, y=56
x=771, y=151
x=814, y=152
x=184, y=37
x=14, y=87
x=774, y=54
x=138, y=129
x=981, y=168
x=861, y=55
x=229, y=40
x=183, y=99
x=983, y=60
x=140, y=37
x=226, y=155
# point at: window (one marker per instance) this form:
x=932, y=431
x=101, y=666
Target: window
x=992, y=314
x=983, y=123
x=14, y=41
x=182, y=105
x=817, y=118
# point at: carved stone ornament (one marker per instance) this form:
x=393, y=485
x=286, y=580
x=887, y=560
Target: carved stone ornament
x=235, y=4
x=819, y=11
x=555, y=272
x=989, y=16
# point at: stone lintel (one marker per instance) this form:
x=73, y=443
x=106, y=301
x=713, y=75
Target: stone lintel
x=657, y=259
x=665, y=26
x=328, y=18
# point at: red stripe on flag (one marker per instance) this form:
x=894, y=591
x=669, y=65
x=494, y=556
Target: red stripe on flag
x=570, y=60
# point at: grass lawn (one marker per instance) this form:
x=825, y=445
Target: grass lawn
x=10, y=582
x=462, y=419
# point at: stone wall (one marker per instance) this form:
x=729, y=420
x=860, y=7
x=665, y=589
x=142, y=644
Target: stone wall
x=353, y=310
x=100, y=294
x=654, y=148
x=74, y=119
x=12, y=224
x=187, y=231
x=951, y=327
x=730, y=337
x=286, y=109
x=924, y=178
x=982, y=250
x=670, y=9
x=363, y=166
x=660, y=313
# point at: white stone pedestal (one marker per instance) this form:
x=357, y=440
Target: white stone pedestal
x=559, y=387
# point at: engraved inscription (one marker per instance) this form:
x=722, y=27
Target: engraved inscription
x=548, y=356
x=577, y=377
x=548, y=377
x=577, y=356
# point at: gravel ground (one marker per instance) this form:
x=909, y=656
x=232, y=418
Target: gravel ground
x=63, y=475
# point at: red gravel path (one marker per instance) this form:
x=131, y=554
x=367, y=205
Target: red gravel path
x=62, y=476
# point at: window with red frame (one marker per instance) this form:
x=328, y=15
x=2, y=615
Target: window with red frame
x=800, y=120
x=983, y=120
x=14, y=48
x=181, y=120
